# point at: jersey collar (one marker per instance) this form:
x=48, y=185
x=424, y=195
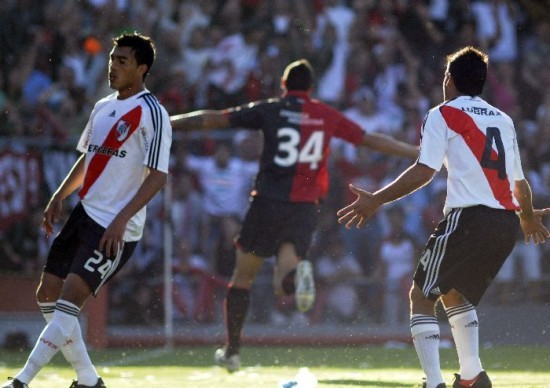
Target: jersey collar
x=297, y=93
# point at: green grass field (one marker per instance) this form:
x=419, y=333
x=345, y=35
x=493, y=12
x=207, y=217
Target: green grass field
x=267, y=366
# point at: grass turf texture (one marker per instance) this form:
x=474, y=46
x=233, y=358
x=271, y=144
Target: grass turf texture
x=268, y=366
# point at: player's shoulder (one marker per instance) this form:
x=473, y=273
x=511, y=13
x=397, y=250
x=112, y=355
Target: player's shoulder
x=151, y=103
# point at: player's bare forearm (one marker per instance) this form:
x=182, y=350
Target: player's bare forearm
x=412, y=179
x=152, y=184
x=530, y=219
x=113, y=237
x=54, y=208
x=524, y=195
x=199, y=120
x=73, y=180
x=389, y=145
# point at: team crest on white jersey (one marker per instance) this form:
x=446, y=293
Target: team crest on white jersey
x=122, y=130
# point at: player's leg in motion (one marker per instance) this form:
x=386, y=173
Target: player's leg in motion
x=60, y=328
x=294, y=276
x=426, y=335
x=74, y=349
x=465, y=329
x=236, y=307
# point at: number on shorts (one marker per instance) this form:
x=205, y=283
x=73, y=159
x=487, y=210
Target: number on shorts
x=92, y=262
x=493, y=136
x=289, y=152
x=425, y=259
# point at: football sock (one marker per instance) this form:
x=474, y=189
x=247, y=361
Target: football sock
x=465, y=328
x=74, y=350
x=54, y=335
x=236, y=308
x=289, y=287
x=425, y=334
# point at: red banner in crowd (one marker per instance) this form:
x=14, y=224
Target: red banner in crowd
x=20, y=182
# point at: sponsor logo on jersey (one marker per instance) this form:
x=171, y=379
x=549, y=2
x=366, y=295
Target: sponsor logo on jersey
x=109, y=151
x=112, y=114
x=122, y=130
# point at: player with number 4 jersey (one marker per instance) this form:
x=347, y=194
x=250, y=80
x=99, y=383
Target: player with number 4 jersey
x=291, y=181
x=486, y=191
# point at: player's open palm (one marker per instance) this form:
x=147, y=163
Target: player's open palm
x=533, y=227
x=360, y=210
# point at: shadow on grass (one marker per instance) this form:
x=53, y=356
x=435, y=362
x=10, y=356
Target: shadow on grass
x=362, y=383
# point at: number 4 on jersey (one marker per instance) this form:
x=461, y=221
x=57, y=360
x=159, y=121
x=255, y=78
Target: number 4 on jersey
x=499, y=164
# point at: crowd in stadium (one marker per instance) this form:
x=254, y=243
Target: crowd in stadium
x=377, y=61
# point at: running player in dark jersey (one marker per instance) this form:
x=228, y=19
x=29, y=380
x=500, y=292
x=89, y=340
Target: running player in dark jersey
x=292, y=179
x=486, y=186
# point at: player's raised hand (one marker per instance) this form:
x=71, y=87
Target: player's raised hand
x=52, y=215
x=533, y=227
x=360, y=210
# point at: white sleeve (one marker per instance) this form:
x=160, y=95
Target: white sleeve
x=433, y=144
x=158, y=154
x=518, y=169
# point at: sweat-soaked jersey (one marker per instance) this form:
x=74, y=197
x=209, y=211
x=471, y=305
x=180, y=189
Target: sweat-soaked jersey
x=122, y=139
x=297, y=131
x=478, y=145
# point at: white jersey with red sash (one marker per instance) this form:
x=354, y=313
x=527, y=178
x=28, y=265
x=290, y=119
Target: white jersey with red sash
x=122, y=139
x=477, y=143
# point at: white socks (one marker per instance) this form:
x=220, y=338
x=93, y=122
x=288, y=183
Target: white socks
x=465, y=328
x=74, y=350
x=425, y=334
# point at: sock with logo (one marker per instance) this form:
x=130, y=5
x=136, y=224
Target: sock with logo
x=54, y=335
x=236, y=308
x=425, y=334
x=74, y=350
x=465, y=328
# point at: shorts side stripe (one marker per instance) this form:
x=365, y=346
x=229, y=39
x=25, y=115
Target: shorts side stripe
x=440, y=246
x=112, y=269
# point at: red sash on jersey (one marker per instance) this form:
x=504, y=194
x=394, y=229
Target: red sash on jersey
x=464, y=125
x=121, y=131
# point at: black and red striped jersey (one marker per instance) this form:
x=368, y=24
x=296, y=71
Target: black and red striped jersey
x=297, y=131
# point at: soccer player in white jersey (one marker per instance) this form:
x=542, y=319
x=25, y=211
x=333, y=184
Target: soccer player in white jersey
x=488, y=198
x=124, y=163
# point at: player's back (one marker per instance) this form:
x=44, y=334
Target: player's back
x=297, y=132
x=481, y=154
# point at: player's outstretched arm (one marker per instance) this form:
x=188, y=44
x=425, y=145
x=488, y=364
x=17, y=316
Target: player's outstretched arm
x=389, y=145
x=366, y=204
x=200, y=120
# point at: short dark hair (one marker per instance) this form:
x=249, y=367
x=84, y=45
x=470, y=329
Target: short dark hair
x=143, y=46
x=299, y=75
x=468, y=68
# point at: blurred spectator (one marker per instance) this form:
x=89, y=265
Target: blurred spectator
x=519, y=278
x=337, y=272
x=221, y=179
x=397, y=256
x=23, y=246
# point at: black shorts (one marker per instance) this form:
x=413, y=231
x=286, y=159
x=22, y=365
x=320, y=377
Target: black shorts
x=269, y=223
x=466, y=251
x=75, y=250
